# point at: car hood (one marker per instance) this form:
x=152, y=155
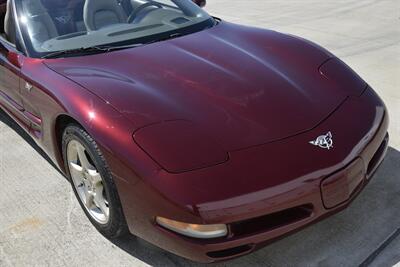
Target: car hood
x=244, y=86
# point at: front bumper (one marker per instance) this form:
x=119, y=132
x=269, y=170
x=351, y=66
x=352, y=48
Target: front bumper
x=304, y=184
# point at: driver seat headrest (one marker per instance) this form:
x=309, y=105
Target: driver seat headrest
x=101, y=13
x=41, y=26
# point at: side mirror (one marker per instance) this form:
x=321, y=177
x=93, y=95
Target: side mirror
x=11, y=54
x=15, y=59
x=200, y=3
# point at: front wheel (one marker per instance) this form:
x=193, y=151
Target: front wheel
x=92, y=182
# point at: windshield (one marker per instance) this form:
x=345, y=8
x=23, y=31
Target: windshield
x=49, y=26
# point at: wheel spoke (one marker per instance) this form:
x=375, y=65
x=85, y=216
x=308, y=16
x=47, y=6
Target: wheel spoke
x=95, y=176
x=87, y=181
x=77, y=173
x=100, y=201
x=76, y=167
x=83, y=158
x=89, y=200
x=104, y=209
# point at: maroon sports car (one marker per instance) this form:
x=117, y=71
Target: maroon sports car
x=206, y=138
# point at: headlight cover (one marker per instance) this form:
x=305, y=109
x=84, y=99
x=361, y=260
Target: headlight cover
x=179, y=146
x=201, y=231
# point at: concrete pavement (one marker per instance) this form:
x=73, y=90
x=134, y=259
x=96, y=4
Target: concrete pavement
x=41, y=223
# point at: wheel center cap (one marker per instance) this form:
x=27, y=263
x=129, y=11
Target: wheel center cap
x=88, y=180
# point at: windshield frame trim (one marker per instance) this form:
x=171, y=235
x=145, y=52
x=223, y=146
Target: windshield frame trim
x=20, y=37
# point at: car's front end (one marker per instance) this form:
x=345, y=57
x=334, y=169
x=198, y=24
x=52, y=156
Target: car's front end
x=264, y=192
x=215, y=159
x=219, y=138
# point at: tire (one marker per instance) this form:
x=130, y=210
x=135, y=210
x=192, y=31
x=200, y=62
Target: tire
x=87, y=184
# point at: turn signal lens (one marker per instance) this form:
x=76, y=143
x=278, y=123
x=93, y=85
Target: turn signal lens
x=203, y=231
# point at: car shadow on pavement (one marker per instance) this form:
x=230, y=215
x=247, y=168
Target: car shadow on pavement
x=7, y=120
x=348, y=238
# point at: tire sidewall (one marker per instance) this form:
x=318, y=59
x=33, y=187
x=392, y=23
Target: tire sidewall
x=115, y=226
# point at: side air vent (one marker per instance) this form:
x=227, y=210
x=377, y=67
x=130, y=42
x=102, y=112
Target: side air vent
x=271, y=221
x=232, y=252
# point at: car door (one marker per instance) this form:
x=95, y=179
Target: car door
x=10, y=91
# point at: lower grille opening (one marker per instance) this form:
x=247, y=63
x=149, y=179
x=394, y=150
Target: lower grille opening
x=271, y=221
x=377, y=156
x=231, y=252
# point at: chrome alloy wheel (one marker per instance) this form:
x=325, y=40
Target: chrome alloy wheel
x=87, y=182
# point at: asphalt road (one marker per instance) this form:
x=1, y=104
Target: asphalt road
x=41, y=223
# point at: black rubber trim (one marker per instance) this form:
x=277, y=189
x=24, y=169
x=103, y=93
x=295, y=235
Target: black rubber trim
x=380, y=249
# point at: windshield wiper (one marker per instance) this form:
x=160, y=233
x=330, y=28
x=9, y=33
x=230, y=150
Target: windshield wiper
x=105, y=48
x=90, y=49
x=163, y=38
x=75, y=51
